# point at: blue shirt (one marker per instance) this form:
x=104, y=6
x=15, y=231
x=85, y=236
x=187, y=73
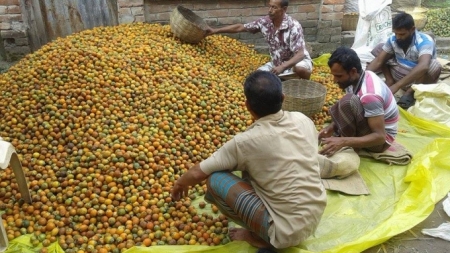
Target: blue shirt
x=421, y=44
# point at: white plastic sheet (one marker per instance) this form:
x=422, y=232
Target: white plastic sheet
x=432, y=102
x=443, y=231
x=374, y=27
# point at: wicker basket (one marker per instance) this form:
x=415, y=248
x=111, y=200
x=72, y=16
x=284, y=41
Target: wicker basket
x=349, y=22
x=186, y=25
x=304, y=96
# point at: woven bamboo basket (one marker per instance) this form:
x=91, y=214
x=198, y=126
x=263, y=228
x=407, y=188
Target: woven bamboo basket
x=304, y=96
x=187, y=26
x=349, y=22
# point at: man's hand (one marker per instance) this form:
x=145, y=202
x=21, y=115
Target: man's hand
x=331, y=145
x=394, y=88
x=326, y=132
x=179, y=191
x=210, y=31
x=277, y=70
x=192, y=177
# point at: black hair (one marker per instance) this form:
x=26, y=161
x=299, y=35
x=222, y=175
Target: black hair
x=264, y=92
x=284, y=3
x=403, y=20
x=347, y=58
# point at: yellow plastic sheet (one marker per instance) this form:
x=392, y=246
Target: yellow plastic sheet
x=401, y=197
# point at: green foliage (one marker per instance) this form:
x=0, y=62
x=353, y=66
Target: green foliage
x=436, y=3
x=438, y=22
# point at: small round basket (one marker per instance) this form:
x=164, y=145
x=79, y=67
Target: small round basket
x=187, y=26
x=304, y=96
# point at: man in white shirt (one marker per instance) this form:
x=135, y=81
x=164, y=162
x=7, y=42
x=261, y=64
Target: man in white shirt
x=280, y=198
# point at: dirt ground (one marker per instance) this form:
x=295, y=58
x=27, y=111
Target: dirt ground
x=413, y=241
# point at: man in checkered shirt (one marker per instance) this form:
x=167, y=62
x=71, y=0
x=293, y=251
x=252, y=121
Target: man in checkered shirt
x=284, y=36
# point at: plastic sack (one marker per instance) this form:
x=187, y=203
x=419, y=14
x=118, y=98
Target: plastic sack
x=432, y=102
x=443, y=231
x=374, y=27
x=321, y=60
x=351, y=6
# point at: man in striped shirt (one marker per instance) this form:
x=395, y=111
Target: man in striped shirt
x=407, y=57
x=366, y=117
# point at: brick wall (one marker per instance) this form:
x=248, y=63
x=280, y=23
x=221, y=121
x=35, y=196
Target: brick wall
x=12, y=31
x=321, y=19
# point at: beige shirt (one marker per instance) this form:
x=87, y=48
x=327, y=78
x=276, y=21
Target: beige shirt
x=279, y=152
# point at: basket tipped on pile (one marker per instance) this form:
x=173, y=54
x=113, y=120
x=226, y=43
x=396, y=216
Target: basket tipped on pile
x=187, y=26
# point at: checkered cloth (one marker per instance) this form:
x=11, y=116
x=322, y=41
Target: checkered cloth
x=237, y=200
x=349, y=120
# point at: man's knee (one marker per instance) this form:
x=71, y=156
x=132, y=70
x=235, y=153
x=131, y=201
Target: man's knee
x=377, y=49
x=302, y=72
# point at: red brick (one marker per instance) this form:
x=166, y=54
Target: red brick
x=10, y=17
x=229, y=20
x=242, y=4
x=299, y=16
x=334, y=2
x=5, y=26
x=14, y=9
x=312, y=15
x=297, y=2
x=206, y=6
x=163, y=16
x=139, y=18
x=137, y=11
x=124, y=11
x=12, y=34
x=153, y=8
x=240, y=12
x=9, y=2
x=260, y=11
x=332, y=16
x=213, y=13
x=307, y=8
x=327, y=8
x=339, y=8
x=3, y=10
x=130, y=3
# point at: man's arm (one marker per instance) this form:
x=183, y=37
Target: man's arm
x=290, y=63
x=192, y=177
x=379, y=61
x=377, y=137
x=236, y=28
x=415, y=74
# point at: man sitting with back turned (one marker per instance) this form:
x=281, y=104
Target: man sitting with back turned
x=280, y=198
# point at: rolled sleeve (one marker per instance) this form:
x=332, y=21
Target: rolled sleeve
x=254, y=26
x=426, y=48
x=296, y=39
x=224, y=158
x=387, y=47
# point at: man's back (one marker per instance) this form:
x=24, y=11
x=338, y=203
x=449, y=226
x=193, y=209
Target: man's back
x=280, y=154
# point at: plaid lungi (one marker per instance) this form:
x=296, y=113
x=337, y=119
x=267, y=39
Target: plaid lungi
x=399, y=71
x=349, y=120
x=237, y=200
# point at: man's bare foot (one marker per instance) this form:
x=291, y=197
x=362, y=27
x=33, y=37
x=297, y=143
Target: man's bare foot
x=242, y=234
